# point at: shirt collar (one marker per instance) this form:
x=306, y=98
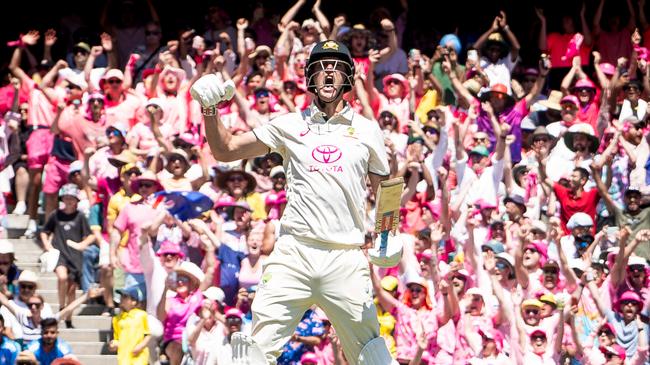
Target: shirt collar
x=342, y=117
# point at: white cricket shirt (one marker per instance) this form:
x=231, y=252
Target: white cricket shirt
x=326, y=163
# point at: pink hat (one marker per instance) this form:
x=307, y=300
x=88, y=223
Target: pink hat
x=225, y=201
x=234, y=312
x=309, y=357
x=571, y=99
x=425, y=255
x=190, y=138
x=538, y=332
x=492, y=334
x=585, y=83
x=607, y=68
x=113, y=73
x=615, y=349
x=276, y=198
x=538, y=246
x=169, y=247
x=628, y=296
x=483, y=204
x=401, y=79
x=608, y=327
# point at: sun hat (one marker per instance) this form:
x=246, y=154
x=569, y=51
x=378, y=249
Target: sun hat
x=516, y=199
x=484, y=95
x=222, y=179
x=147, y=175
x=494, y=245
x=548, y=298
x=532, y=303
x=169, y=247
x=637, y=260
x=177, y=152
x=628, y=296
x=261, y=50
x=28, y=276
x=553, y=101
x=584, y=129
x=123, y=158
x=402, y=80
x=69, y=190
x=190, y=269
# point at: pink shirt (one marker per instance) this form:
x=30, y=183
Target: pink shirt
x=125, y=111
x=100, y=167
x=324, y=352
x=557, y=45
x=463, y=351
x=408, y=320
x=178, y=312
x=83, y=132
x=41, y=111
x=131, y=219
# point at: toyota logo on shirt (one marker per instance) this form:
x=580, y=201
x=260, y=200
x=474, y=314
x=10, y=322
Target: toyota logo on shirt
x=326, y=153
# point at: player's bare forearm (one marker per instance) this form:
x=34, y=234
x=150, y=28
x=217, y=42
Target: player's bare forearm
x=227, y=147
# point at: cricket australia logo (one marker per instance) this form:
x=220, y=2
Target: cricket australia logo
x=326, y=154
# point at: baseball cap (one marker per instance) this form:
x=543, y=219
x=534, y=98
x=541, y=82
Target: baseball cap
x=548, y=298
x=494, y=245
x=82, y=46
x=276, y=170
x=234, y=312
x=532, y=303
x=389, y=283
x=637, y=260
x=75, y=166
x=480, y=150
x=214, y=293
x=580, y=219
x=134, y=292
x=615, y=349
x=69, y=190
x=119, y=127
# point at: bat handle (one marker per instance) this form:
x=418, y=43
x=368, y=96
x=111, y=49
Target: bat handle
x=383, y=245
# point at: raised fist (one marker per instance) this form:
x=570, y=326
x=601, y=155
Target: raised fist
x=209, y=90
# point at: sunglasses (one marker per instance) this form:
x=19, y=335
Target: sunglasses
x=34, y=305
x=27, y=286
x=393, y=82
x=628, y=302
x=5, y=263
x=583, y=90
x=151, y=32
x=133, y=172
x=147, y=185
x=415, y=289
x=540, y=139
x=640, y=126
x=113, y=132
x=481, y=140
x=114, y=81
x=539, y=337
x=532, y=311
x=262, y=94
x=501, y=265
x=170, y=255
x=234, y=320
x=633, y=268
x=183, y=279
x=81, y=50
x=531, y=250
x=606, y=333
x=236, y=178
x=550, y=272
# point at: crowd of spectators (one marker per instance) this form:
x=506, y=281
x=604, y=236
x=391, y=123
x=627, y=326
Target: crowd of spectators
x=525, y=213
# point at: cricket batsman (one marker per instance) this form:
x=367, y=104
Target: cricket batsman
x=328, y=151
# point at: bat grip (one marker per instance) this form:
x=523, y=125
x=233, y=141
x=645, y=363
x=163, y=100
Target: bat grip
x=383, y=245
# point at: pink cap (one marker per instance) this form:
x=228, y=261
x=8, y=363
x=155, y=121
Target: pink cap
x=483, y=204
x=615, y=349
x=538, y=332
x=234, y=312
x=309, y=357
x=492, y=334
x=540, y=247
x=628, y=296
x=607, y=68
x=169, y=247
x=585, y=83
x=570, y=99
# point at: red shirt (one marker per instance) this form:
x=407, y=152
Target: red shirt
x=571, y=204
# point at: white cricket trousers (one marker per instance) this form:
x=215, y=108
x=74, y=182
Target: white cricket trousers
x=300, y=273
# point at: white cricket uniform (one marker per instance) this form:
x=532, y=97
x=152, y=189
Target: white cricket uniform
x=317, y=259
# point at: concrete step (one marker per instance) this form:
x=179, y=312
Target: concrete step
x=27, y=255
x=46, y=282
x=34, y=266
x=25, y=244
x=97, y=359
x=85, y=334
x=16, y=225
x=92, y=322
x=89, y=348
x=52, y=296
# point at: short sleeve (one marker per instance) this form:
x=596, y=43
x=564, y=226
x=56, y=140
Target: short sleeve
x=271, y=134
x=50, y=224
x=378, y=160
x=144, y=324
x=85, y=227
x=64, y=347
x=116, y=329
x=121, y=221
x=112, y=210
